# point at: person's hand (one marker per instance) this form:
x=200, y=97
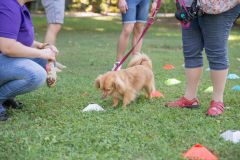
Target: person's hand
x=53, y=48
x=154, y=6
x=122, y=5
x=47, y=45
x=48, y=54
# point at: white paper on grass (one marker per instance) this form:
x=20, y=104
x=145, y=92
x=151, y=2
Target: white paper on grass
x=92, y=107
x=233, y=136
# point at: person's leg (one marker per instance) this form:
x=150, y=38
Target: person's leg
x=124, y=39
x=192, y=48
x=141, y=18
x=19, y=76
x=216, y=30
x=137, y=31
x=55, y=18
x=128, y=20
x=193, y=76
x=52, y=32
x=218, y=78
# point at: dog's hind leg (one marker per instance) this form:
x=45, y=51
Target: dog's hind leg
x=150, y=88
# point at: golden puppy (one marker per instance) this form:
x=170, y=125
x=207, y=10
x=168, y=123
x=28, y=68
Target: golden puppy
x=127, y=83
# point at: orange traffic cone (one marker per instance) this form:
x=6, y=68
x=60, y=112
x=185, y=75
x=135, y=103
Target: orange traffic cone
x=199, y=152
x=157, y=94
x=168, y=66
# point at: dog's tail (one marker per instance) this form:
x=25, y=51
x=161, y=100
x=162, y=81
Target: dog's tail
x=140, y=59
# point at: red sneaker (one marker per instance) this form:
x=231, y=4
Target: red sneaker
x=184, y=103
x=215, y=109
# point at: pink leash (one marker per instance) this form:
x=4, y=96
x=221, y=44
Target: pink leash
x=149, y=23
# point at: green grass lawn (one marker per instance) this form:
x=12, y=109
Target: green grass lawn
x=51, y=125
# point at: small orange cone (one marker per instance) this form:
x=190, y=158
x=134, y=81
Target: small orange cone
x=157, y=94
x=168, y=66
x=199, y=152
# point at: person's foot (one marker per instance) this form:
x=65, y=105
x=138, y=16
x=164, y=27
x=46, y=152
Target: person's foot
x=51, y=74
x=115, y=65
x=184, y=103
x=215, y=109
x=3, y=113
x=12, y=103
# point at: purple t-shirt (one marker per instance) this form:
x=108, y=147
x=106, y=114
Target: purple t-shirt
x=16, y=22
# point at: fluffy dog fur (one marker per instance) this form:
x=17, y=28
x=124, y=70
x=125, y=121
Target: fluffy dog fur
x=126, y=83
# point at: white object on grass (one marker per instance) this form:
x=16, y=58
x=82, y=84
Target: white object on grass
x=230, y=135
x=172, y=81
x=209, y=89
x=92, y=107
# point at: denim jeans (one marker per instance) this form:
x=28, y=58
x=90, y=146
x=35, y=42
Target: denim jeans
x=210, y=32
x=137, y=11
x=19, y=76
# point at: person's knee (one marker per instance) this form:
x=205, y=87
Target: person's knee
x=138, y=28
x=37, y=77
x=218, y=62
x=127, y=29
x=217, y=57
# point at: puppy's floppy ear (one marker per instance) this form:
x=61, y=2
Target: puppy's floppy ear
x=119, y=84
x=98, y=82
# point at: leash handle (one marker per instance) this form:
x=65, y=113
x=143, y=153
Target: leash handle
x=184, y=6
x=184, y=25
x=149, y=23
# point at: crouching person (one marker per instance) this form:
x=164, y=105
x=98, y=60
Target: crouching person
x=22, y=60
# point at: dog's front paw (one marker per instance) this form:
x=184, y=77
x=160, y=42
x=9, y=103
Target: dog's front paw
x=115, y=102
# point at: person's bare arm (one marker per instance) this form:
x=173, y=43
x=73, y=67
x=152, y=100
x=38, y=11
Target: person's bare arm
x=38, y=45
x=12, y=48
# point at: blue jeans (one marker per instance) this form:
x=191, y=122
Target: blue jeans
x=137, y=11
x=19, y=76
x=210, y=32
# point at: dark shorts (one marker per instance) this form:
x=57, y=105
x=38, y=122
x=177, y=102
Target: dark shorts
x=210, y=32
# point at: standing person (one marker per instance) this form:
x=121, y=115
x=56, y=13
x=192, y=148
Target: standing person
x=22, y=60
x=55, y=18
x=211, y=32
x=134, y=16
